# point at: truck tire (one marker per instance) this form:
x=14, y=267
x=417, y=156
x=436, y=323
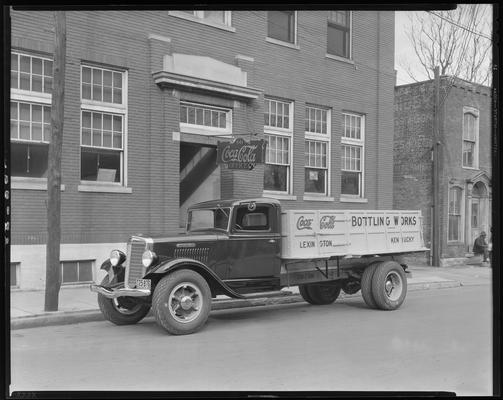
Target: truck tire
x=182, y=302
x=366, y=285
x=320, y=294
x=389, y=285
x=122, y=310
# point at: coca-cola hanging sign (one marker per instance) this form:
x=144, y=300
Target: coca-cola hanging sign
x=241, y=154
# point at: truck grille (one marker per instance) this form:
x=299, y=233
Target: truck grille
x=199, y=254
x=134, y=267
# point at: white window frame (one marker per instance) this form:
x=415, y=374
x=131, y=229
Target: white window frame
x=295, y=43
x=87, y=105
x=204, y=129
x=348, y=141
x=320, y=137
x=198, y=16
x=475, y=113
x=287, y=133
x=461, y=214
x=33, y=98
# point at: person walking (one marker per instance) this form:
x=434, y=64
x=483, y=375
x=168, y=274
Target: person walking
x=480, y=246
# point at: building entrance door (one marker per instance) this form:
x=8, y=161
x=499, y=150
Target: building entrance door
x=479, y=212
x=199, y=176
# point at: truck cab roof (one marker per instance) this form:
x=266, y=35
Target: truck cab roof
x=233, y=202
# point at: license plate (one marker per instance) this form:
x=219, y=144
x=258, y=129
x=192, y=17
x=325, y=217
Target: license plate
x=143, y=284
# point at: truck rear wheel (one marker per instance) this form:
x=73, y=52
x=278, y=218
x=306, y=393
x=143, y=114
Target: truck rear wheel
x=320, y=294
x=122, y=310
x=366, y=285
x=182, y=302
x=389, y=285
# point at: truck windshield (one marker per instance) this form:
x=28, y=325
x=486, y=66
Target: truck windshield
x=208, y=219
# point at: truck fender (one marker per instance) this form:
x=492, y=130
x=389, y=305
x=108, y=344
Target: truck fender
x=117, y=271
x=197, y=266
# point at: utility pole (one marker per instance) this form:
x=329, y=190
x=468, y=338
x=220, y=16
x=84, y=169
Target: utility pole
x=436, y=240
x=53, y=268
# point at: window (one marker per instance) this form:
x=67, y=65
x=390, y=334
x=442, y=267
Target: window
x=278, y=117
x=14, y=274
x=281, y=25
x=316, y=120
x=352, y=155
x=203, y=119
x=455, y=207
x=256, y=220
x=103, y=125
x=30, y=115
x=218, y=17
x=470, y=138
x=76, y=272
x=205, y=219
x=475, y=213
x=317, y=150
x=31, y=73
x=277, y=114
x=316, y=171
x=339, y=33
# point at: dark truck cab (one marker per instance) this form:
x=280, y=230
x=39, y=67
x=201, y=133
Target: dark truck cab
x=232, y=248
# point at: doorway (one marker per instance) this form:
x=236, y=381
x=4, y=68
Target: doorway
x=199, y=176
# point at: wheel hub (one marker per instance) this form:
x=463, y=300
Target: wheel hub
x=186, y=303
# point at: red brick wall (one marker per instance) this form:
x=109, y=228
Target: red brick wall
x=304, y=75
x=413, y=143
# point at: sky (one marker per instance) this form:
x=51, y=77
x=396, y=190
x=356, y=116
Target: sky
x=403, y=48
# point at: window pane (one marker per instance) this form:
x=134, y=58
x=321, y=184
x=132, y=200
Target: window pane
x=29, y=160
x=70, y=272
x=36, y=66
x=13, y=274
x=88, y=165
x=118, y=96
x=24, y=81
x=107, y=122
x=101, y=165
x=86, y=75
x=275, y=177
x=118, y=80
x=85, y=271
x=337, y=39
x=25, y=64
x=315, y=180
x=281, y=25
x=214, y=16
x=350, y=183
x=86, y=91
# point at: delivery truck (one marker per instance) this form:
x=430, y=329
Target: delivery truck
x=241, y=247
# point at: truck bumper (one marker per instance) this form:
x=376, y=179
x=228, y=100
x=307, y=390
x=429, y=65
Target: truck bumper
x=114, y=293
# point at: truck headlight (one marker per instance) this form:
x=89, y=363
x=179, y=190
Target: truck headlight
x=147, y=258
x=117, y=257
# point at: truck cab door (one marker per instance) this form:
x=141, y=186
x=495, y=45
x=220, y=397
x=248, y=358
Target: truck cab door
x=254, y=242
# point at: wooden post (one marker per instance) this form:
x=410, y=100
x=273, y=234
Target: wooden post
x=53, y=268
x=436, y=239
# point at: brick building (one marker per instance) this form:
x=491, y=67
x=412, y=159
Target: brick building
x=465, y=161
x=149, y=94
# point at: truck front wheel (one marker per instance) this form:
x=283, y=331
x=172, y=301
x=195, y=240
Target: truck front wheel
x=122, y=310
x=389, y=285
x=182, y=302
x=319, y=294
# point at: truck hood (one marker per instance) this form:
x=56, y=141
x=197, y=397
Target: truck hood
x=203, y=236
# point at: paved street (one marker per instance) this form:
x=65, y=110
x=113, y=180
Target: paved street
x=439, y=340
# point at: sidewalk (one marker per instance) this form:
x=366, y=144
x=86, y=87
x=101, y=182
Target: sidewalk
x=79, y=304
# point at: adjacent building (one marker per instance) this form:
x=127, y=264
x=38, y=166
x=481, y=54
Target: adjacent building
x=464, y=161
x=148, y=95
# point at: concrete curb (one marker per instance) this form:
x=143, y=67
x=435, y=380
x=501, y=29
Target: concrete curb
x=73, y=317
